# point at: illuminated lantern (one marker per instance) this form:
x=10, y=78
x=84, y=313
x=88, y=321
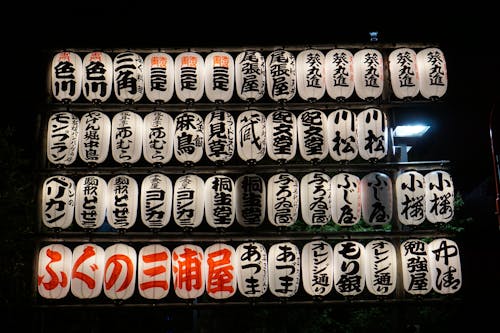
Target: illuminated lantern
x=188, y=201
x=311, y=75
x=126, y=137
x=156, y=200
x=250, y=200
x=376, y=198
x=54, y=271
x=188, y=271
x=410, y=197
x=446, y=271
x=251, y=261
x=91, y=202
x=281, y=135
x=404, y=73
x=66, y=76
x=62, y=138
x=282, y=199
x=153, y=271
x=345, y=199
x=415, y=267
x=280, y=75
x=372, y=134
x=317, y=268
x=58, y=202
x=342, y=137
x=439, y=197
x=97, y=81
x=94, y=137
x=159, y=77
x=128, y=77
x=123, y=193
x=219, y=136
x=220, y=197
x=250, y=75
x=284, y=269
x=349, y=268
x=158, y=137
x=87, y=274
x=315, y=198
x=381, y=267
x=432, y=73
x=339, y=74
x=219, y=76
x=189, y=76
x=368, y=74
x=189, y=137
x=221, y=271
x=251, y=136
x=312, y=131
x=119, y=271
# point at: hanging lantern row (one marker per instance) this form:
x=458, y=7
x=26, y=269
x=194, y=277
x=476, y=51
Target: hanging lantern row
x=310, y=73
x=220, y=269
x=158, y=137
x=343, y=199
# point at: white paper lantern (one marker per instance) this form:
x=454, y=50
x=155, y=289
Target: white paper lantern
x=156, y=200
x=312, y=132
x=220, y=138
x=250, y=200
x=345, y=191
x=432, y=72
x=250, y=75
x=66, y=75
x=376, y=198
x=219, y=76
x=58, y=202
x=339, y=74
x=280, y=75
x=62, y=138
x=349, y=268
x=94, y=137
x=381, y=267
x=415, y=267
x=189, y=137
x=120, y=271
x=54, y=271
x=404, y=73
x=153, y=271
x=315, y=198
x=220, y=201
x=159, y=77
x=91, y=202
x=188, y=207
x=251, y=136
x=410, y=197
x=342, y=136
x=446, y=271
x=281, y=135
x=123, y=197
x=221, y=271
x=282, y=199
x=126, y=137
x=97, y=83
x=439, y=197
x=317, y=268
x=372, y=134
x=87, y=274
x=128, y=77
x=251, y=261
x=284, y=269
x=188, y=271
x=311, y=75
x=368, y=74
x=189, y=76
x=158, y=138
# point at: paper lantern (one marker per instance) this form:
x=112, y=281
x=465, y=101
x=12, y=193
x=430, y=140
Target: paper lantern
x=251, y=261
x=280, y=75
x=404, y=73
x=381, y=267
x=342, y=136
x=221, y=271
x=94, y=137
x=123, y=195
x=250, y=75
x=339, y=74
x=87, y=274
x=345, y=191
x=156, y=200
x=317, y=268
x=220, y=201
x=415, y=267
x=153, y=271
x=312, y=131
x=62, y=138
x=315, y=198
x=311, y=75
x=219, y=76
x=281, y=135
x=97, y=81
x=439, y=197
x=368, y=74
x=349, y=268
x=189, y=137
x=188, y=201
x=250, y=200
x=158, y=138
x=58, y=202
x=251, y=136
x=54, y=271
x=120, y=271
x=219, y=136
x=410, y=197
x=188, y=271
x=432, y=73
x=376, y=198
x=372, y=134
x=66, y=75
x=126, y=137
x=284, y=269
x=128, y=77
x=159, y=77
x=282, y=199
x=91, y=202
x=189, y=76
x=445, y=268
